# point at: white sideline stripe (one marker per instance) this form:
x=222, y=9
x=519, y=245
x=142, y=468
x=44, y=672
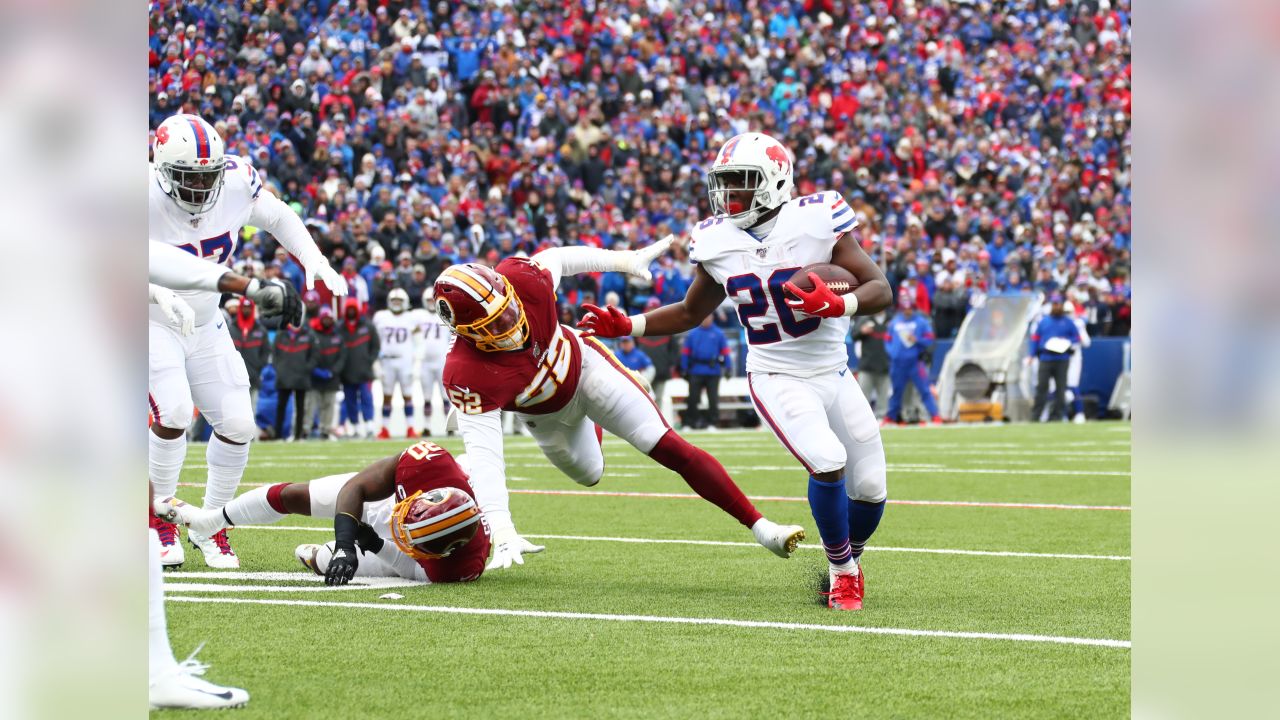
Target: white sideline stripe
x=905, y=468
x=730, y=543
x=757, y=624
x=228, y=588
x=767, y=498
x=277, y=576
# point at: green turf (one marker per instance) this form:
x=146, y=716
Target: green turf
x=314, y=662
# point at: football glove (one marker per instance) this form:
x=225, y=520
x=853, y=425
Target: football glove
x=609, y=322
x=819, y=302
x=509, y=548
x=331, y=278
x=641, y=259
x=342, y=567
x=276, y=299
x=175, y=309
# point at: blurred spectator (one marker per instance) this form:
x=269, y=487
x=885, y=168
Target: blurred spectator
x=634, y=359
x=331, y=354
x=663, y=352
x=250, y=338
x=952, y=129
x=873, y=361
x=361, y=347
x=293, y=355
x=950, y=304
x=703, y=359
x=1051, y=343
x=910, y=339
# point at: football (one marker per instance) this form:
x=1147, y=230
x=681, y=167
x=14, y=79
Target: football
x=437, y=522
x=837, y=278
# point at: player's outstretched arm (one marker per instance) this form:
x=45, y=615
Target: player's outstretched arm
x=271, y=214
x=373, y=483
x=563, y=261
x=176, y=269
x=174, y=308
x=873, y=291
x=482, y=437
x=703, y=297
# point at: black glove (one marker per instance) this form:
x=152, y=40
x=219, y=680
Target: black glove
x=278, y=302
x=368, y=539
x=342, y=567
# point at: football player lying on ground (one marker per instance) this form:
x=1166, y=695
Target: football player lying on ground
x=513, y=354
x=412, y=515
x=797, y=370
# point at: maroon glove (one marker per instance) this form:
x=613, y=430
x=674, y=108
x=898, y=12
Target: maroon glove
x=819, y=302
x=609, y=322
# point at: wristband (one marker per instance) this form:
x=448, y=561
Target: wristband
x=345, y=528
x=850, y=304
x=254, y=286
x=637, y=325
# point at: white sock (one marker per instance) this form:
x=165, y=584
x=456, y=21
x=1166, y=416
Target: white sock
x=252, y=508
x=164, y=462
x=226, y=467
x=160, y=655
x=848, y=568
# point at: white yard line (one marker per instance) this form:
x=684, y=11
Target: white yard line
x=729, y=543
x=772, y=498
x=723, y=622
x=902, y=468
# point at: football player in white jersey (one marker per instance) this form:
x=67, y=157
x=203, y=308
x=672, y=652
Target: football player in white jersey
x=796, y=360
x=435, y=338
x=396, y=327
x=198, y=201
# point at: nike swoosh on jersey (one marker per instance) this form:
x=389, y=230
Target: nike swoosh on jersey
x=219, y=325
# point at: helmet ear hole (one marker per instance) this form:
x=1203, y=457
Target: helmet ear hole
x=780, y=184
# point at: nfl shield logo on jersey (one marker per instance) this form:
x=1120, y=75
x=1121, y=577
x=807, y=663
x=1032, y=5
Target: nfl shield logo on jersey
x=761, y=252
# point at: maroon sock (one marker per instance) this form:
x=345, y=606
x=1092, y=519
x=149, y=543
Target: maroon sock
x=274, y=500
x=705, y=475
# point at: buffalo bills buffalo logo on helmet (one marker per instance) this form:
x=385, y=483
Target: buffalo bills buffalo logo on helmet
x=779, y=155
x=162, y=135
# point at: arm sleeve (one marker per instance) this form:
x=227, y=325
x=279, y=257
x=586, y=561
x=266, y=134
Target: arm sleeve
x=271, y=214
x=482, y=438
x=180, y=270
x=574, y=260
x=1085, y=340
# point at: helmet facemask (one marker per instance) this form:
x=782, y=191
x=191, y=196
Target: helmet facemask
x=737, y=193
x=195, y=190
x=413, y=537
x=505, y=329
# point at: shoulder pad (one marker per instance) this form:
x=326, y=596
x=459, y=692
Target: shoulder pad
x=706, y=239
x=241, y=176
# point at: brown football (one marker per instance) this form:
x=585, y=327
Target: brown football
x=837, y=278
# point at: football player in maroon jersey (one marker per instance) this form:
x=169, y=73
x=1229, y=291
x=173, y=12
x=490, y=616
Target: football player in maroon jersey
x=383, y=509
x=513, y=354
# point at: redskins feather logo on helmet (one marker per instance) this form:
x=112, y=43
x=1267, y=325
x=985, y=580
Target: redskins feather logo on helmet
x=432, y=525
x=480, y=305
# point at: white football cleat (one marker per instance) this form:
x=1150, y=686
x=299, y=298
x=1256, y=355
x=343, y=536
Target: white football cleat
x=781, y=540
x=1078, y=419
x=307, y=555
x=171, y=553
x=216, y=548
x=182, y=688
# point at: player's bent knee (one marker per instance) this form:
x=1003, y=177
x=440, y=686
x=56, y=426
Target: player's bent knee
x=829, y=476
x=239, y=430
x=589, y=477
x=177, y=416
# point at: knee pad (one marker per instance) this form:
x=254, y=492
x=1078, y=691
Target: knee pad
x=866, y=481
x=175, y=416
x=590, y=476
x=238, y=429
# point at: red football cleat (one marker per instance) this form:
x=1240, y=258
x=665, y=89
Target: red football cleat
x=887, y=422
x=384, y=434
x=846, y=592
x=937, y=420
x=411, y=433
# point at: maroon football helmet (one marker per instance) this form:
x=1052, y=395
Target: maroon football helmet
x=432, y=525
x=481, y=306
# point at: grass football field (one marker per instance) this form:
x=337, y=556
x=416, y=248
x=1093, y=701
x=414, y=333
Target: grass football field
x=997, y=586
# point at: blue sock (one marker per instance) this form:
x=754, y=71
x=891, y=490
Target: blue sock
x=386, y=412
x=828, y=503
x=864, y=518
x=408, y=413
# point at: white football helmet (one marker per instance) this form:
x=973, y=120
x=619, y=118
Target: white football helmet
x=398, y=300
x=188, y=155
x=751, y=164
x=428, y=302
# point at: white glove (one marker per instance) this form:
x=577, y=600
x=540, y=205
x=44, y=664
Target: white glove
x=641, y=259
x=330, y=277
x=175, y=309
x=509, y=547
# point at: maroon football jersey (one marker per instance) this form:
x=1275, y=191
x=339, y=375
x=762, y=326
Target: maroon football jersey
x=425, y=467
x=537, y=379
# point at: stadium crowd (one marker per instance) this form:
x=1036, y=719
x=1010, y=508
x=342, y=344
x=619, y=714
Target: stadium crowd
x=985, y=146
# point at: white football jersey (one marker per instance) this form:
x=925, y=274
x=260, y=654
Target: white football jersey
x=436, y=336
x=213, y=235
x=753, y=271
x=396, y=333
